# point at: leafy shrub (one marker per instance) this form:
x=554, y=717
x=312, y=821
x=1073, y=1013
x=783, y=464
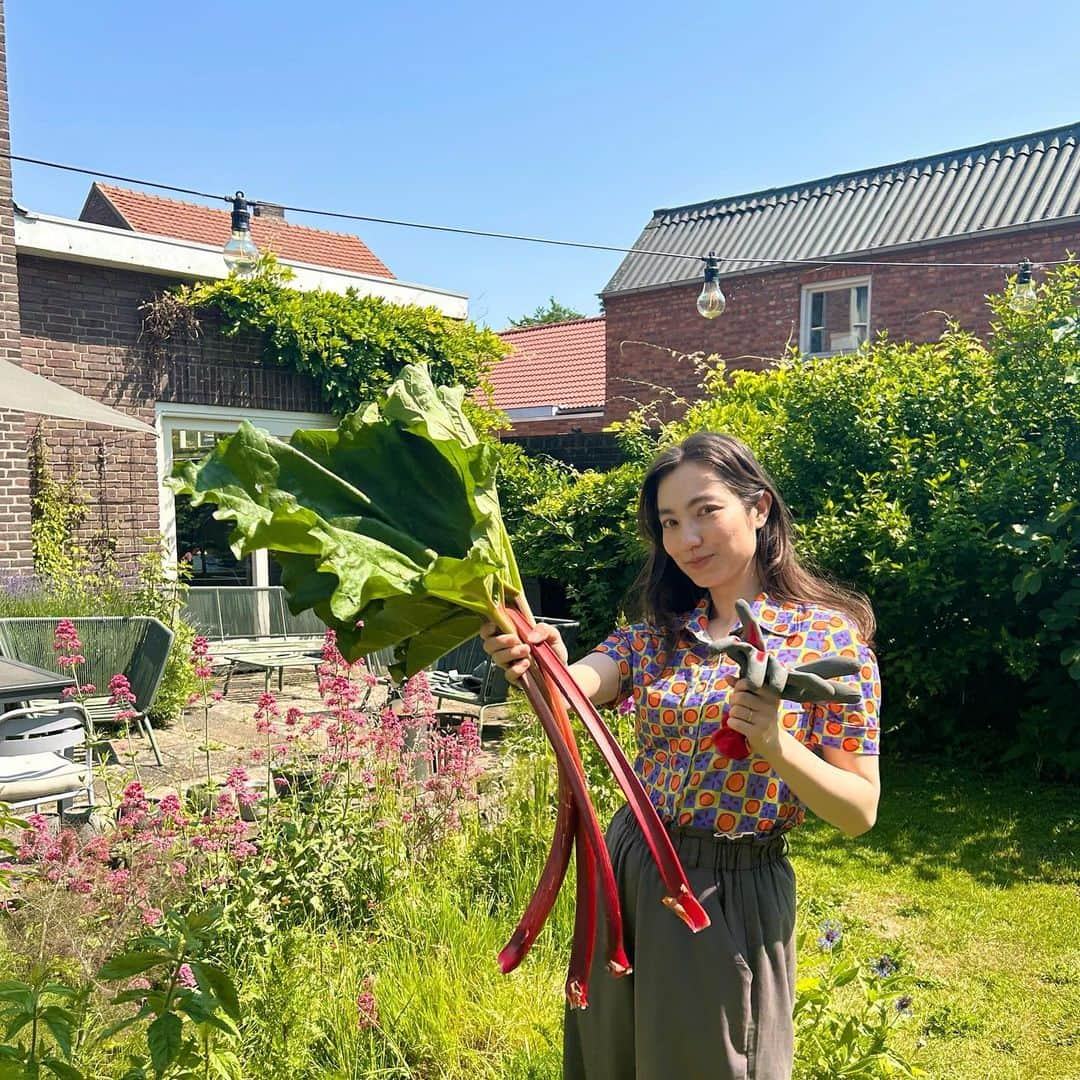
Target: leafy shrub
x=353, y=346
x=583, y=535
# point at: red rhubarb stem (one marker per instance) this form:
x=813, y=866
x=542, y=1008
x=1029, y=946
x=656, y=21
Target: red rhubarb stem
x=581, y=952
x=551, y=879
x=680, y=897
x=570, y=765
x=617, y=962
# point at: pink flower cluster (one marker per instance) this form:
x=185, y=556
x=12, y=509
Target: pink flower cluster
x=367, y=1008
x=154, y=853
x=121, y=694
x=67, y=644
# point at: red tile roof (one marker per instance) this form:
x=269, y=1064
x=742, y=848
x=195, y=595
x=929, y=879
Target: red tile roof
x=205, y=225
x=553, y=364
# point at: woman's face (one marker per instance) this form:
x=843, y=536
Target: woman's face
x=706, y=529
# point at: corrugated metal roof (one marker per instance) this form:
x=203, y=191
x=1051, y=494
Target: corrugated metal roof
x=1017, y=181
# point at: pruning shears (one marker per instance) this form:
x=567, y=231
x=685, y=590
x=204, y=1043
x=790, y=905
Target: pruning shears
x=806, y=683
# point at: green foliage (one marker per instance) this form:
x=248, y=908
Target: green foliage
x=940, y=479
x=387, y=527
x=44, y=1019
x=523, y=479
x=551, y=312
x=189, y=1012
x=57, y=508
x=584, y=534
x=352, y=346
x=845, y=1014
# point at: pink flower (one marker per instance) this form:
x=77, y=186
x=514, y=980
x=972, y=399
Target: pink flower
x=66, y=637
x=186, y=977
x=120, y=691
x=151, y=916
x=367, y=1008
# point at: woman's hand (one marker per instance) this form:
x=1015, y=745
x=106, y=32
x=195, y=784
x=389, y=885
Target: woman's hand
x=512, y=654
x=756, y=714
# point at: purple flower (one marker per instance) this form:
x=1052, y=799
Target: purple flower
x=831, y=933
x=903, y=1005
x=884, y=966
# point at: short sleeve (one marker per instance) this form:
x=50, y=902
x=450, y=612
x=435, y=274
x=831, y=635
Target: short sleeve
x=855, y=728
x=618, y=646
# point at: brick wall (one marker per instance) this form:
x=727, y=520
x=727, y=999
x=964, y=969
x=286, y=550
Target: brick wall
x=81, y=326
x=14, y=475
x=582, y=449
x=763, y=310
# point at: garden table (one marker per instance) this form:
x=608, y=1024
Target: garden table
x=21, y=682
x=268, y=660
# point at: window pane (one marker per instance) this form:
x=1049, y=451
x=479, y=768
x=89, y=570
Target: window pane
x=817, y=309
x=817, y=341
x=862, y=297
x=198, y=535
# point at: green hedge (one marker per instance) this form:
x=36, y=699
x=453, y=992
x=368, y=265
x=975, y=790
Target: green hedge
x=942, y=479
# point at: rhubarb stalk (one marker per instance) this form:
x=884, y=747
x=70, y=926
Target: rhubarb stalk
x=581, y=951
x=569, y=763
x=680, y=898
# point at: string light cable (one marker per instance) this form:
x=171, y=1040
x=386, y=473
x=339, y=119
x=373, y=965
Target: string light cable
x=241, y=252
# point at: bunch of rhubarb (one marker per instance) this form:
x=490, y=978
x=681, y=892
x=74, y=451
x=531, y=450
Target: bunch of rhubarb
x=389, y=529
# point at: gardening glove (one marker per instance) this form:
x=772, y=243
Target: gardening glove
x=810, y=682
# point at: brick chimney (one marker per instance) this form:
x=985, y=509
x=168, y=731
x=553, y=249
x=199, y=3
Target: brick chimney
x=271, y=211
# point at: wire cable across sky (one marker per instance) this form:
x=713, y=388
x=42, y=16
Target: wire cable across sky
x=463, y=231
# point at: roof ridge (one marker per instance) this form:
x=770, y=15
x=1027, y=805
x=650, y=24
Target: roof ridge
x=342, y=250
x=548, y=325
x=274, y=222
x=873, y=170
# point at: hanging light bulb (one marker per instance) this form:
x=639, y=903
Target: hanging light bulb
x=240, y=252
x=1023, y=297
x=711, y=302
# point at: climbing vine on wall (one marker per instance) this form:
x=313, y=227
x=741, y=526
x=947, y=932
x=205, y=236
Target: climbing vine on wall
x=352, y=346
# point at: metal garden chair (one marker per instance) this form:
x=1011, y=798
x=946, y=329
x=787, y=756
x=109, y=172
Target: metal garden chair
x=136, y=646
x=37, y=761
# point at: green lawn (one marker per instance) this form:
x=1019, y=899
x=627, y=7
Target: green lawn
x=974, y=880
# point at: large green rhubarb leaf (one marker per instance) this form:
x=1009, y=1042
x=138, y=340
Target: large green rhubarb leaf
x=387, y=527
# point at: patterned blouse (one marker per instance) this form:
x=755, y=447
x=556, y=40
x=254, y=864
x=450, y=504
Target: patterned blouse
x=680, y=702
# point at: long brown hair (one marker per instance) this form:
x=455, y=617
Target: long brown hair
x=663, y=593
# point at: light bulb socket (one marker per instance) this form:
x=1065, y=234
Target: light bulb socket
x=1023, y=276
x=241, y=214
x=712, y=268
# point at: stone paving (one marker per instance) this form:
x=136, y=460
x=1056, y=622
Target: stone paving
x=233, y=734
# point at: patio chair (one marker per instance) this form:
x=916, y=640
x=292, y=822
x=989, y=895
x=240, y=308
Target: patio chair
x=136, y=646
x=37, y=761
x=467, y=675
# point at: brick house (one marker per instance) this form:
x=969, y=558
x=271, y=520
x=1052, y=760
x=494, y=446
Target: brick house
x=551, y=387
x=998, y=203
x=79, y=291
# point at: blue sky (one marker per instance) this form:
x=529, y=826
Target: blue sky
x=572, y=121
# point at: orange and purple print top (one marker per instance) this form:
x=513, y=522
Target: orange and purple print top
x=680, y=703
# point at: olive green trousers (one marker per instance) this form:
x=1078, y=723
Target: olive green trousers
x=716, y=1005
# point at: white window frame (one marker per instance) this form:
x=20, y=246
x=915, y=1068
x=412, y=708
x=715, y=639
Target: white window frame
x=808, y=291
x=169, y=417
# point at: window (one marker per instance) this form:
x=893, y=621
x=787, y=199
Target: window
x=835, y=317
x=190, y=432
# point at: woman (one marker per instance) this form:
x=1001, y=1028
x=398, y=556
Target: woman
x=717, y=1004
